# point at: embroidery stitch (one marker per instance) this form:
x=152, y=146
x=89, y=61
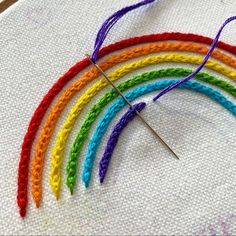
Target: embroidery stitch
x=57, y=153
x=23, y=169
x=140, y=91
x=98, y=107
x=113, y=139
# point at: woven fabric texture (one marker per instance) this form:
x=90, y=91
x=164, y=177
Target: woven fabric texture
x=146, y=190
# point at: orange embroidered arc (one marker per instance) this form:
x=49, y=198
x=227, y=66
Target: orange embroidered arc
x=39, y=113
x=47, y=130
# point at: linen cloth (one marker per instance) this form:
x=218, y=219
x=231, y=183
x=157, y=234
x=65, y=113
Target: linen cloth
x=147, y=191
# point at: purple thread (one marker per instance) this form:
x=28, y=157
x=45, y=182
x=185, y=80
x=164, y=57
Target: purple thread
x=109, y=22
x=113, y=139
x=213, y=45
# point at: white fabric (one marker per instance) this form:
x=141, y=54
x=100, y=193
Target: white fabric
x=146, y=191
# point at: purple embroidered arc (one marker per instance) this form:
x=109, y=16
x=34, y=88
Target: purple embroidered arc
x=111, y=143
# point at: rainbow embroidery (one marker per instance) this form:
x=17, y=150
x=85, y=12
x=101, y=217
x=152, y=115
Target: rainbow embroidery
x=171, y=46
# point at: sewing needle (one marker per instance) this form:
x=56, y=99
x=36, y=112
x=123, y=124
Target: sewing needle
x=127, y=101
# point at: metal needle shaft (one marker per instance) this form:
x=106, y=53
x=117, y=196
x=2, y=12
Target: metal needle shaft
x=128, y=102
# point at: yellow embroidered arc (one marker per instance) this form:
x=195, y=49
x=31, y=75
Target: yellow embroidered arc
x=59, y=146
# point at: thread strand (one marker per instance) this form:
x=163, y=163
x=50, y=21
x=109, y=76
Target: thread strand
x=109, y=23
x=212, y=47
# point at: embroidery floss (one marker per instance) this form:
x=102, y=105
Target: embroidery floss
x=41, y=110
x=171, y=87
x=109, y=22
x=48, y=127
x=35, y=122
x=113, y=139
